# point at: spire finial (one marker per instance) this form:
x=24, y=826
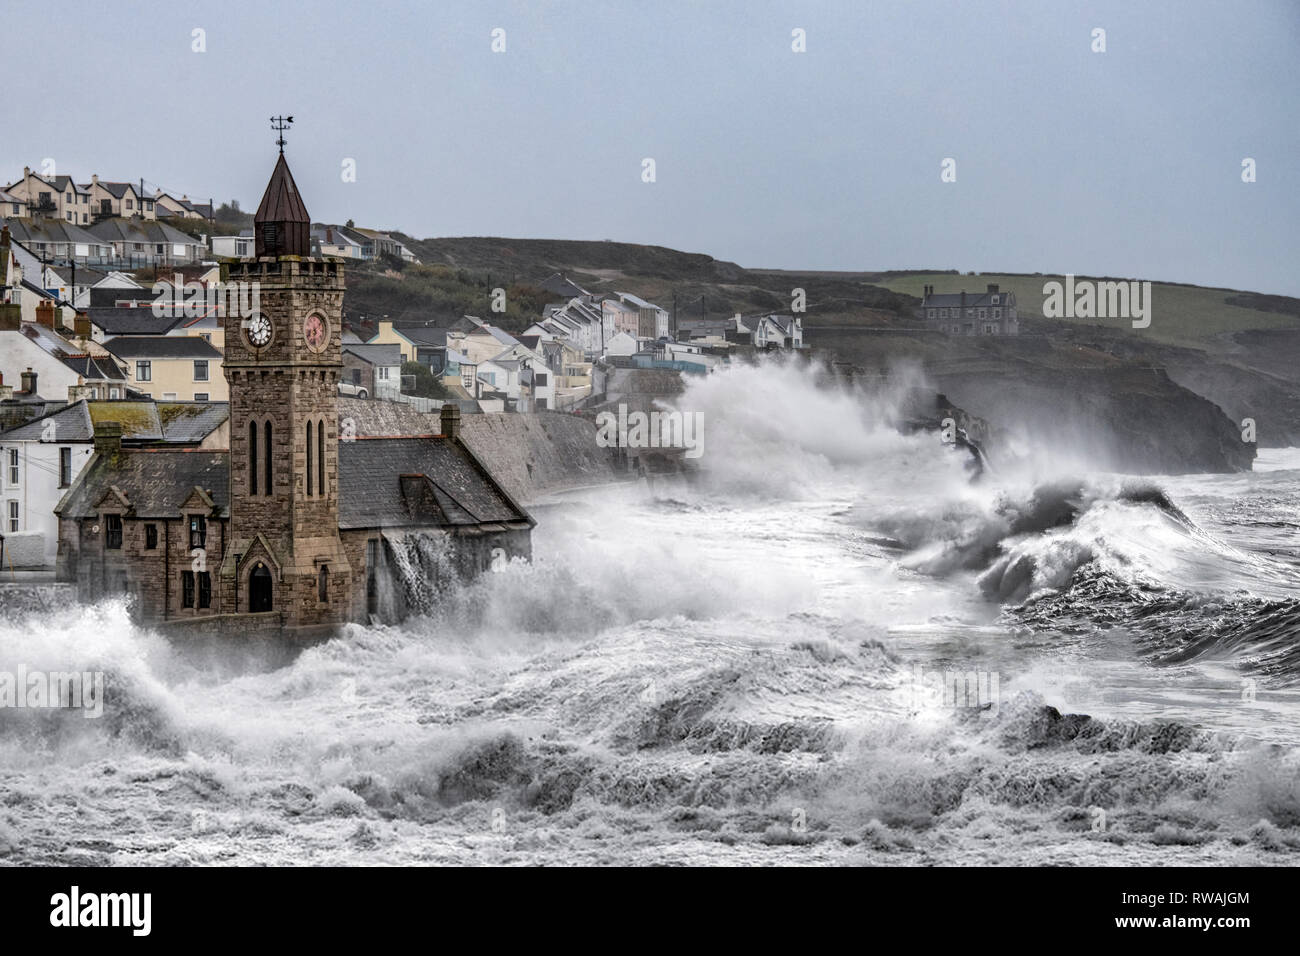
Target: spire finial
x=280, y=124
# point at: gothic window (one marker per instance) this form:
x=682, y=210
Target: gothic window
x=320, y=458
x=266, y=454
x=252, y=458
x=311, y=440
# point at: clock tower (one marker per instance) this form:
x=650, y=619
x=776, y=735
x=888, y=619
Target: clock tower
x=282, y=361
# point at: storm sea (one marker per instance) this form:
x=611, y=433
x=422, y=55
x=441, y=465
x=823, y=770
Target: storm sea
x=828, y=645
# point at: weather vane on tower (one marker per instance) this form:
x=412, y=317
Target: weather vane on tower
x=280, y=124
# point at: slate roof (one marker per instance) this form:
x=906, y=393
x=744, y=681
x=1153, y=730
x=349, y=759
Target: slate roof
x=118, y=190
x=162, y=347
x=377, y=354
x=85, y=275
x=973, y=299
x=501, y=335
x=118, y=322
x=106, y=297
x=383, y=483
x=142, y=421
x=138, y=230
x=94, y=368
x=101, y=368
x=560, y=284
x=637, y=301
x=155, y=482
x=418, y=482
x=423, y=335
x=50, y=230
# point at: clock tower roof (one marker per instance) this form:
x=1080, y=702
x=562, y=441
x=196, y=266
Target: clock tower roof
x=282, y=225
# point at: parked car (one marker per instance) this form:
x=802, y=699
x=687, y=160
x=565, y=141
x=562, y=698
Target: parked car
x=353, y=391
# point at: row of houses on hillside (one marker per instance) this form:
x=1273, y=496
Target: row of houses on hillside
x=347, y=242
x=109, y=243
x=81, y=204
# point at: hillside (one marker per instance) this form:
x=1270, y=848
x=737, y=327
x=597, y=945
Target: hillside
x=1237, y=349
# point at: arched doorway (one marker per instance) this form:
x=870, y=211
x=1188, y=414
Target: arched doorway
x=259, y=589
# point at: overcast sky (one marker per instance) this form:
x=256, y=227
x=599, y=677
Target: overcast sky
x=1126, y=162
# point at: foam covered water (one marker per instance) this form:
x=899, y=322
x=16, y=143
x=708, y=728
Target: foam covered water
x=731, y=668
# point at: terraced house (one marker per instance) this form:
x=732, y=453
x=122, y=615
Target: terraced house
x=171, y=367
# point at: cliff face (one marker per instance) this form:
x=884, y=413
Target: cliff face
x=1118, y=419
x=1104, y=411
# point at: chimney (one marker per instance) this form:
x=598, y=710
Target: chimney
x=94, y=179
x=45, y=314
x=27, y=171
x=963, y=298
x=451, y=420
x=29, y=382
x=108, y=439
x=81, y=324
x=77, y=392
x=993, y=289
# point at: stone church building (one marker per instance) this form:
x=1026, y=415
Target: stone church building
x=286, y=530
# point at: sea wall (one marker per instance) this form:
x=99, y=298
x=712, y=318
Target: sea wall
x=540, y=454
x=532, y=455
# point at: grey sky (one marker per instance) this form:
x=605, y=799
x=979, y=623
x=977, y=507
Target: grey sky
x=1126, y=162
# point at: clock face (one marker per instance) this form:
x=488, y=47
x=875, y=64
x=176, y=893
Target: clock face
x=258, y=331
x=316, y=331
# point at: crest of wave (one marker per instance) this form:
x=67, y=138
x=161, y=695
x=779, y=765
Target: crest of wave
x=787, y=427
x=99, y=640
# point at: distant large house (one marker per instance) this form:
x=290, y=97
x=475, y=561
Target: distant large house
x=960, y=313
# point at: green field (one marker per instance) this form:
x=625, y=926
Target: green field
x=1180, y=314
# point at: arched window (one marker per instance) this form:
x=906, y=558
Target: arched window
x=259, y=589
x=320, y=458
x=323, y=584
x=268, y=454
x=311, y=440
x=252, y=458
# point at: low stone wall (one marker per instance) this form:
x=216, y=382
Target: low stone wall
x=24, y=549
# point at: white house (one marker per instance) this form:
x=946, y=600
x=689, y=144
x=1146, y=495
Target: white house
x=773, y=331
x=233, y=246
x=57, y=364
x=622, y=344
